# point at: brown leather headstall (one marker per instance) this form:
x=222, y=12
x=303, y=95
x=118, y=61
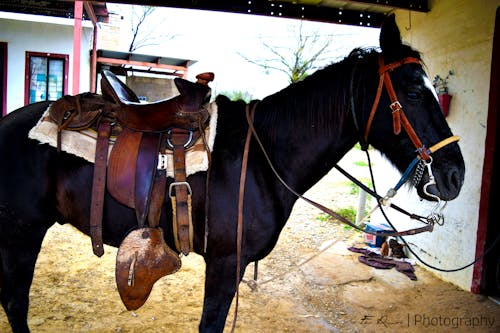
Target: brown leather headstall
x=398, y=116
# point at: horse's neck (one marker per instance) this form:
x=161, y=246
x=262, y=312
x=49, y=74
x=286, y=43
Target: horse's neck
x=303, y=151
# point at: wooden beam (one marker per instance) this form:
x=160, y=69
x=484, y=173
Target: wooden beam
x=112, y=61
x=77, y=45
x=89, y=9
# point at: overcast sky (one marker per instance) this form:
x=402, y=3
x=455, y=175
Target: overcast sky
x=214, y=40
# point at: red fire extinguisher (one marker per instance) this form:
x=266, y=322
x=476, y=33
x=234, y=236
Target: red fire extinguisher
x=441, y=86
x=444, y=101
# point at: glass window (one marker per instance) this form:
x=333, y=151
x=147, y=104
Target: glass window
x=46, y=77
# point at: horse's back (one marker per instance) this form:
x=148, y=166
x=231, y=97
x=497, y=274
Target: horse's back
x=18, y=123
x=14, y=129
x=25, y=165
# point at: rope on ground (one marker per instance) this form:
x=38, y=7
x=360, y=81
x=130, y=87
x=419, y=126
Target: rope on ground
x=253, y=284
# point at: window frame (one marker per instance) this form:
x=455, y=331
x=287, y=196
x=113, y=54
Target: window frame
x=27, y=76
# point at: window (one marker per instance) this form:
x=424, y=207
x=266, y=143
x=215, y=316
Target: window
x=46, y=77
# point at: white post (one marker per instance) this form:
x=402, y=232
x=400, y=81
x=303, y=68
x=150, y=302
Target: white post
x=360, y=213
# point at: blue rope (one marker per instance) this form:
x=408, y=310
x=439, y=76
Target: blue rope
x=406, y=174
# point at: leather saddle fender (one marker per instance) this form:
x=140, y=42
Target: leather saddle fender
x=143, y=258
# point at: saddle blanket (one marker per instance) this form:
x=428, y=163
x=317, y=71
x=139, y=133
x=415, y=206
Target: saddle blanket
x=83, y=143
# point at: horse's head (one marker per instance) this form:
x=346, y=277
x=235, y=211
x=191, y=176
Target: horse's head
x=408, y=120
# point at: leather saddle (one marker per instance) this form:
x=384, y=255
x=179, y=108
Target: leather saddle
x=149, y=129
x=143, y=133
x=183, y=111
x=133, y=173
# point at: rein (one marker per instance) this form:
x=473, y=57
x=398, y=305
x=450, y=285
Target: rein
x=399, y=120
x=251, y=129
x=239, y=233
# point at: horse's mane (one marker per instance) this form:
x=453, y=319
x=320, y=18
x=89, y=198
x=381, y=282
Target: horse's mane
x=320, y=101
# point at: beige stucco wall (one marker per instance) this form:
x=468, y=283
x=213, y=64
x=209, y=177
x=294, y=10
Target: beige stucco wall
x=152, y=88
x=457, y=36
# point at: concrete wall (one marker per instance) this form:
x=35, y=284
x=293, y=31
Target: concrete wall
x=454, y=35
x=152, y=88
x=40, y=34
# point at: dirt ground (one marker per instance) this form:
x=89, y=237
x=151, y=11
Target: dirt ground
x=301, y=287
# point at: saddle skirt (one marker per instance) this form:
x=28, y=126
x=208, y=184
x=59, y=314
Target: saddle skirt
x=83, y=143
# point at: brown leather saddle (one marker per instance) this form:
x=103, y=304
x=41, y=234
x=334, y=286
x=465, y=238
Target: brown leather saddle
x=148, y=129
x=135, y=173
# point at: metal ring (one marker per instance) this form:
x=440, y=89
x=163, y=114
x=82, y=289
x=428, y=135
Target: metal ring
x=188, y=142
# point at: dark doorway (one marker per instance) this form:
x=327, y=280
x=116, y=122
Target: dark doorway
x=491, y=274
x=3, y=77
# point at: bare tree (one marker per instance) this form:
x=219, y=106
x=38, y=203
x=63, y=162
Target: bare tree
x=297, y=61
x=146, y=30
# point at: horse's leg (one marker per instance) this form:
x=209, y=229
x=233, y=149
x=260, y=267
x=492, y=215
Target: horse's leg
x=17, y=260
x=220, y=288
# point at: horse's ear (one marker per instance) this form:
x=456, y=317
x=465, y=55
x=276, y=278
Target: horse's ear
x=390, y=37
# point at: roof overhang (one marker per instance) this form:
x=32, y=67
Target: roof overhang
x=95, y=10
x=368, y=13
x=122, y=63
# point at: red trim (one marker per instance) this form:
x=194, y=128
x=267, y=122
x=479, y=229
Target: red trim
x=27, y=78
x=489, y=153
x=93, y=64
x=77, y=44
x=89, y=9
x=3, y=49
x=66, y=74
x=27, y=75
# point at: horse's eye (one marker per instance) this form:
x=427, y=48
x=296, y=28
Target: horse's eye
x=413, y=95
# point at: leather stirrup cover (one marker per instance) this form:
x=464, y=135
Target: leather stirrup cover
x=122, y=167
x=142, y=259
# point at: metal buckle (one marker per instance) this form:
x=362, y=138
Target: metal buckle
x=395, y=106
x=162, y=161
x=179, y=184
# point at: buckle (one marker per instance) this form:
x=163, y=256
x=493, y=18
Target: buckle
x=179, y=184
x=396, y=106
x=162, y=162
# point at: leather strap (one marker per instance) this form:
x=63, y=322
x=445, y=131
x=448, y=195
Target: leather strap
x=157, y=198
x=99, y=187
x=374, y=106
x=147, y=160
x=158, y=191
x=179, y=138
x=398, y=116
x=241, y=195
x=330, y=212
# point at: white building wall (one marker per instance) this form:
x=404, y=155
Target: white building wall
x=40, y=34
x=457, y=36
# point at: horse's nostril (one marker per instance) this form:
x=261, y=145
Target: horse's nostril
x=454, y=180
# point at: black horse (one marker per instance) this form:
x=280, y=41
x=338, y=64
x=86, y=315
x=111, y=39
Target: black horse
x=305, y=129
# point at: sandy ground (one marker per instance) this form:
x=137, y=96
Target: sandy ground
x=300, y=288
